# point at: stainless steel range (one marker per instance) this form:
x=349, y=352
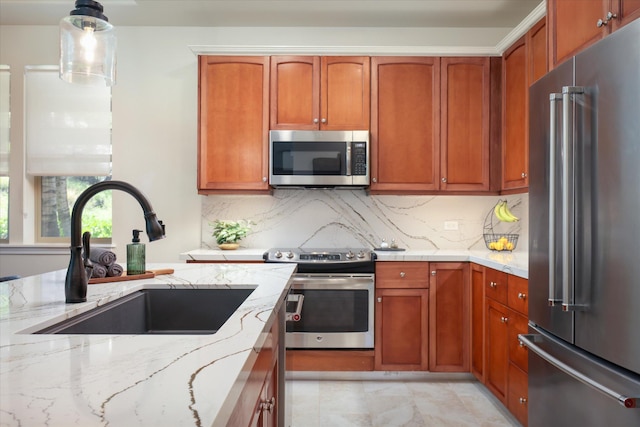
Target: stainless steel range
x=332, y=297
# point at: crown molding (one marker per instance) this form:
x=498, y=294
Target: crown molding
x=521, y=29
x=344, y=50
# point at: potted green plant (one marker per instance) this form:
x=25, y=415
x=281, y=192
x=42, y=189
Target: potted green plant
x=228, y=233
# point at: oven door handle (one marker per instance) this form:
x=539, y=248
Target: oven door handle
x=321, y=281
x=295, y=315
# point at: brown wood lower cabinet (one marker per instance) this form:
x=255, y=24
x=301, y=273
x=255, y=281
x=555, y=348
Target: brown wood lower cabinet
x=449, y=317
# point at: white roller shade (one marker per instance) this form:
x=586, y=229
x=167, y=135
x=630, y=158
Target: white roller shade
x=67, y=126
x=5, y=119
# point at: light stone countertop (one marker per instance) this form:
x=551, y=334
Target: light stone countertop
x=516, y=263
x=130, y=380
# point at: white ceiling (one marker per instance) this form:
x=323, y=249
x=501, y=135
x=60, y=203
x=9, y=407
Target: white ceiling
x=282, y=13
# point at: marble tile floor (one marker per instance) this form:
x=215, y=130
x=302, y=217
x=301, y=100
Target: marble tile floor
x=390, y=399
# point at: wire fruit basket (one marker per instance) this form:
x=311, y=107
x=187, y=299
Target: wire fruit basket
x=495, y=241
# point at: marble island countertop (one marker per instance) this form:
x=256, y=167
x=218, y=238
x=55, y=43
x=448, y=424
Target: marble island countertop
x=127, y=380
x=516, y=263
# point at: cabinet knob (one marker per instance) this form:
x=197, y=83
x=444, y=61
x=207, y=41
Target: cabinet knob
x=504, y=319
x=493, y=285
x=605, y=21
x=433, y=273
x=524, y=174
x=268, y=405
x=264, y=179
x=315, y=121
x=523, y=400
x=402, y=274
x=521, y=295
x=444, y=179
x=374, y=179
x=379, y=299
x=323, y=120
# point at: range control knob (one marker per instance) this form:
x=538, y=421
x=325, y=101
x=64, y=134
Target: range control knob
x=278, y=254
x=361, y=254
x=289, y=254
x=350, y=255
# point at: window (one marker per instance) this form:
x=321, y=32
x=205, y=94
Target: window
x=68, y=149
x=57, y=195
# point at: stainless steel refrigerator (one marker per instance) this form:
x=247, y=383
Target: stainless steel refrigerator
x=584, y=244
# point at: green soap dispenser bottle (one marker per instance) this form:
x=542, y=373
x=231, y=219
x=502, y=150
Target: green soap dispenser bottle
x=135, y=255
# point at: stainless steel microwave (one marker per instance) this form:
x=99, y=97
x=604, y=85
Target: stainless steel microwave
x=319, y=158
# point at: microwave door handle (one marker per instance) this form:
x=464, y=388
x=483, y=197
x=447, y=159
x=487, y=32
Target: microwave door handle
x=554, y=98
x=348, y=158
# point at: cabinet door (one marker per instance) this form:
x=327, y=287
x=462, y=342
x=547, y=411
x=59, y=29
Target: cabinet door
x=295, y=92
x=477, y=321
x=573, y=26
x=345, y=92
x=405, y=123
x=518, y=394
x=401, y=329
x=626, y=11
x=496, y=349
x=449, y=317
x=233, y=124
x=515, y=146
x=537, y=55
x=465, y=107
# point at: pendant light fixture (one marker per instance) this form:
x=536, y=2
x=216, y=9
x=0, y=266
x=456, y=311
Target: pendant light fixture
x=87, y=46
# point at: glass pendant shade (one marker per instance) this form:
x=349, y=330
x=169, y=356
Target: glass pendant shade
x=87, y=46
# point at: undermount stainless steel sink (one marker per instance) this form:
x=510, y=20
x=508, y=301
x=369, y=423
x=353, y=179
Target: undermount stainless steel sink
x=157, y=311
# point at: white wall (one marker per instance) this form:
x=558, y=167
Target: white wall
x=154, y=116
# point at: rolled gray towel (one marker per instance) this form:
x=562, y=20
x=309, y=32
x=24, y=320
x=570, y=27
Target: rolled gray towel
x=102, y=256
x=99, y=271
x=114, y=270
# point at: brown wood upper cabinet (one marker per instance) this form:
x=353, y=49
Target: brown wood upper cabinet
x=430, y=124
x=576, y=24
x=233, y=124
x=523, y=63
x=312, y=92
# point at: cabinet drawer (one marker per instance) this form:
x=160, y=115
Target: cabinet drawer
x=517, y=294
x=402, y=275
x=495, y=285
x=517, y=399
x=518, y=354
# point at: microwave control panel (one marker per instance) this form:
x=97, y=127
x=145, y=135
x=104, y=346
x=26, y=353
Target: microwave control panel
x=358, y=158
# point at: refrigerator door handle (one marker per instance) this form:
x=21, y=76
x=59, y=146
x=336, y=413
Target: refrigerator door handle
x=553, y=100
x=529, y=341
x=568, y=208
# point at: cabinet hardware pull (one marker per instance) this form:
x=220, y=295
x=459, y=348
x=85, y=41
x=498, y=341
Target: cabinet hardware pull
x=264, y=179
x=605, y=21
x=521, y=295
x=493, y=285
x=523, y=400
x=323, y=120
x=524, y=174
x=402, y=274
x=379, y=299
x=315, y=121
x=444, y=179
x=374, y=179
x=433, y=273
x=504, y=319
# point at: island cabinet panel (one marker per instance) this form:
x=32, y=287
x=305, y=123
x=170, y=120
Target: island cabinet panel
x=477, y=321
x=233, y=124
x=465, y=118
x=258, y=403
x=577, y=24
x=327, y=93
x=405, y=124
x=401, y=316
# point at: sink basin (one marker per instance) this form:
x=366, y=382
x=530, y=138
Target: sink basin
x=157, y=311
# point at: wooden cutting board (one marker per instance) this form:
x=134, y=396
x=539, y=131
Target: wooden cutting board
x=147, y=275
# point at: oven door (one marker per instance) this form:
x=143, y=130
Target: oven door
x=336, y=312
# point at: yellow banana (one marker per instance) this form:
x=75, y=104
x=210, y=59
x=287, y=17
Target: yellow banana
x=497, y=210
x=506, y=214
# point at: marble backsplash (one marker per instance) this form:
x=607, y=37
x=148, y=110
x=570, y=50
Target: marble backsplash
x=352, y=218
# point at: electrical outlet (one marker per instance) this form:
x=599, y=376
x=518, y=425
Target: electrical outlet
x=451, y=225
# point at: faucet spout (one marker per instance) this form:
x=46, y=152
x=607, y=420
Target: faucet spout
x=77, y=280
